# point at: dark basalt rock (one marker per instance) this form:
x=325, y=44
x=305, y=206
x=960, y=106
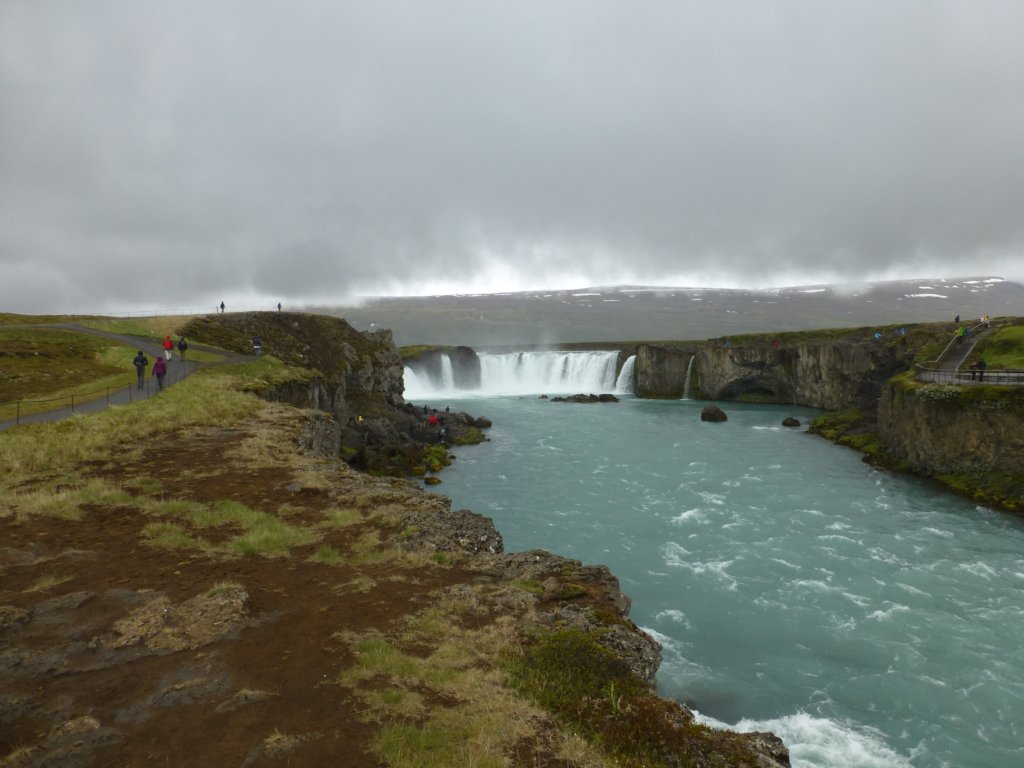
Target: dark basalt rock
x=606, y=398
x=713, y=413
x=789, y=421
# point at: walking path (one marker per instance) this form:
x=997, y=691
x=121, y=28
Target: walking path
x=177, y=369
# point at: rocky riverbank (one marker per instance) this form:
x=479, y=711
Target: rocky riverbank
x=148, y=619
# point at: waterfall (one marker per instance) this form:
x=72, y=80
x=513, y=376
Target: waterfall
x=524, y=373
x=624, y=384
x=447, y=373
x=686, y=382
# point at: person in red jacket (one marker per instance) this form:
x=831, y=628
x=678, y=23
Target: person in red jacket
x=168, y=348
x=160, y=370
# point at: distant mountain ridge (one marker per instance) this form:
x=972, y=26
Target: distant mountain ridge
x=649, y=313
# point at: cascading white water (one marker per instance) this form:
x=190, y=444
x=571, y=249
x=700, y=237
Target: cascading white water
x=447, y=373
x=686, y=383
x=525, y=373
x=412, y=382
x=544, y=372
x=624, y=384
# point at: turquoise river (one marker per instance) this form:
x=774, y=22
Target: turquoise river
x=869, y=619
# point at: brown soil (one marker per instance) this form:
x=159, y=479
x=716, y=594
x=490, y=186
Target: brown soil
x=128, y=661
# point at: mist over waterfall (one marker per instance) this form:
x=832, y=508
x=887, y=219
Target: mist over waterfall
x=527, y=373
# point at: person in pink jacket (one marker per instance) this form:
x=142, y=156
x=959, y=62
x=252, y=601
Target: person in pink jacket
x=160, y=370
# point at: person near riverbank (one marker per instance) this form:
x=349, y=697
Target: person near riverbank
x=140, y=362
x=168, y=348
x=182, y=346
x=256, y=346
x=160, y=370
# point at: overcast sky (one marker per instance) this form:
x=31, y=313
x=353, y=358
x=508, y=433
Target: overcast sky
x=173, y=154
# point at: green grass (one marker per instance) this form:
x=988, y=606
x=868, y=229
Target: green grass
x=168, y=535
x=146, y=327
x=588, y=686
x=50, y=364
x=1004, y=348
x=65, y=502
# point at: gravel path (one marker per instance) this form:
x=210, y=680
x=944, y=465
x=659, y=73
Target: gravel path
x=177, y=369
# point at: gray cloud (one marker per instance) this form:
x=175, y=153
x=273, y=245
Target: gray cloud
x=170, y=154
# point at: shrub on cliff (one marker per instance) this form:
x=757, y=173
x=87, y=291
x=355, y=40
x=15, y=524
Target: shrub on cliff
x=569, y=673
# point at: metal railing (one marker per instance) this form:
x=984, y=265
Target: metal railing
x=1007, y=376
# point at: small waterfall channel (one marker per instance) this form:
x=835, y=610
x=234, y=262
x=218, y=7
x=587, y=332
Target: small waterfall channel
x=529, y=373
x=624, y=384
x=687, y=395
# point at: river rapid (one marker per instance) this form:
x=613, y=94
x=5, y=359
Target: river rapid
x=867, y=618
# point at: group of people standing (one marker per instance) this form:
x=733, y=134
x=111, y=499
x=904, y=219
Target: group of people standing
x=437, y=420
x=141, y=362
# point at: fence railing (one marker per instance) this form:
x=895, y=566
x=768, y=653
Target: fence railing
x=18, y=411
x=1007, y=376
x=186, y=311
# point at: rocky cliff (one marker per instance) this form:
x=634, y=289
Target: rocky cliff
x=660, y=371
x=968, y=437
x=355, y=376
x=827, y=370
x=829, y=374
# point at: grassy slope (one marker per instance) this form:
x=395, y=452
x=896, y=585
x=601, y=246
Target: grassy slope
x=40, y=364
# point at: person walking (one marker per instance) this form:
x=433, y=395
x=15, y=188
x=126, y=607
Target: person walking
x=182, y=346
x=168, y=348
x=256, y=346
x=279, y=306
x=140, y=362
x=160, y=370
x=982, y=365
x=222, y=307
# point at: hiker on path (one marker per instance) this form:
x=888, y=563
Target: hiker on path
x=182, y=346
x=256, y=346
x=168, y=348
x=160, y=370
x=140, y=363
x=279, y=306
x=222, y=307
x=982, y=365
